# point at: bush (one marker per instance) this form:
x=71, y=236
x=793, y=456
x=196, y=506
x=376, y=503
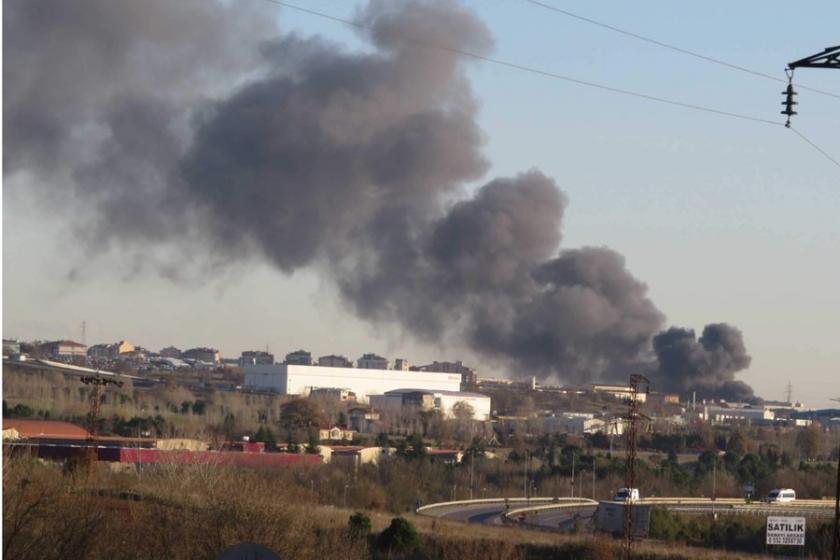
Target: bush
x=400, y=536
x=359, y=525
x=663, y=525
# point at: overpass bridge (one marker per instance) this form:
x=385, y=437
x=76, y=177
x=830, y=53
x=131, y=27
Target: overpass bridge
x=562, y=514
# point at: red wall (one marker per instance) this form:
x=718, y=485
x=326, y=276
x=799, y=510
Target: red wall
x=129, y=455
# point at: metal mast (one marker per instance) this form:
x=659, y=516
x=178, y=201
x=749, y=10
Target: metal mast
x=633, y=416
x=829, y=58
x=98, y=383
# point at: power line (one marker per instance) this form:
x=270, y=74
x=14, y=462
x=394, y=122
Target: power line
x=673, y=47
x=813, y=145
x=534, y=70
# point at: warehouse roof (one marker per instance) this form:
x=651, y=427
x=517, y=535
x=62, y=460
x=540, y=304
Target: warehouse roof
x=45, y=428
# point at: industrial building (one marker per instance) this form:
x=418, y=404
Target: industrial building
x=444, y=401
x=289, y=379
x=622, y=392
x=720, y=415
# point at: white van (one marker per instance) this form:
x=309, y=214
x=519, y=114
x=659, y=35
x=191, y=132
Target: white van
x=626, y=495
x=781, y=495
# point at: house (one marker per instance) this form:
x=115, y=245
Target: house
x=469, y=376
x=252, y=357
x=445, y=456
x=202, y=354
x=356, y=455
x=64, y=349
x=299, y=358
x=335, y=434
x=170, y=352
x=10, y=347
x=448, y=402
x=363, y=419
x=333, y=394
x=334, y=361
x=372, y=361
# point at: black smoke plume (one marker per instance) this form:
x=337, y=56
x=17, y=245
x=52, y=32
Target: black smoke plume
x=195, y=124
x=706, y=365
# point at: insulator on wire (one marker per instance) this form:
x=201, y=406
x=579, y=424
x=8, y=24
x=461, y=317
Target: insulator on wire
x=789, y=101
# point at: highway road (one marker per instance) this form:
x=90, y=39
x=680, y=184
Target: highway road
x=491, y=511
x=545, y=513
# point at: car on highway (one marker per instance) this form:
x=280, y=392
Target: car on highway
x=781, y=495
x=626, y=495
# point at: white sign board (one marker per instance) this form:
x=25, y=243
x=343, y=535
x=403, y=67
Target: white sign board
x=786, y=531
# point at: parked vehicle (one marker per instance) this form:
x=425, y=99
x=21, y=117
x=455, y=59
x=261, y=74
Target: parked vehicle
x=626, y=495
x=781, y=495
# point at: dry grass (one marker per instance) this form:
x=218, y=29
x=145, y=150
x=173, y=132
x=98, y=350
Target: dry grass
x=197, y=511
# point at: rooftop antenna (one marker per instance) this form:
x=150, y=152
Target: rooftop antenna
x=789, y=393
x=84, y=332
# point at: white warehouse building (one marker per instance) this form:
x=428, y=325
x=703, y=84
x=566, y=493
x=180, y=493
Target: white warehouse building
x=290, y=379
x=444, y=401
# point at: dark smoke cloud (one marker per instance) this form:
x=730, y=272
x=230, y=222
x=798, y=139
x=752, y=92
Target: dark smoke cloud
x=706, y=365
x=191, y=125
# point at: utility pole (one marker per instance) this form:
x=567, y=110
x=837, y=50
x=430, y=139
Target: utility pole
x=573, y=475
x=525, y=479
x=98, y=383
x=633, y=415
x=829, y=58
x=835, y=548
x=472, y=461
x=714, y=484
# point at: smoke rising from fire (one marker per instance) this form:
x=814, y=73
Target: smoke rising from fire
x=196, y=123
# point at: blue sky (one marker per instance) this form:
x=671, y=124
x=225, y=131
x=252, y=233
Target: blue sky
x=726, y=220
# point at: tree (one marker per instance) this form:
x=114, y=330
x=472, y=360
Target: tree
x=463, y=411
x=414, y=447
x=737, y=443
x=400, y=536
x=312, y=445
x=300, y=414
x=808, y=442
x=266, y=436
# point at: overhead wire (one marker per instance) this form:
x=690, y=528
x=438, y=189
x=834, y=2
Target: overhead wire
x=549, y=74
x=673, y=47
x=816, y=147
x=533, y=70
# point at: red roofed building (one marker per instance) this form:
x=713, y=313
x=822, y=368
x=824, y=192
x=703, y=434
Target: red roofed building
x=44, y=429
